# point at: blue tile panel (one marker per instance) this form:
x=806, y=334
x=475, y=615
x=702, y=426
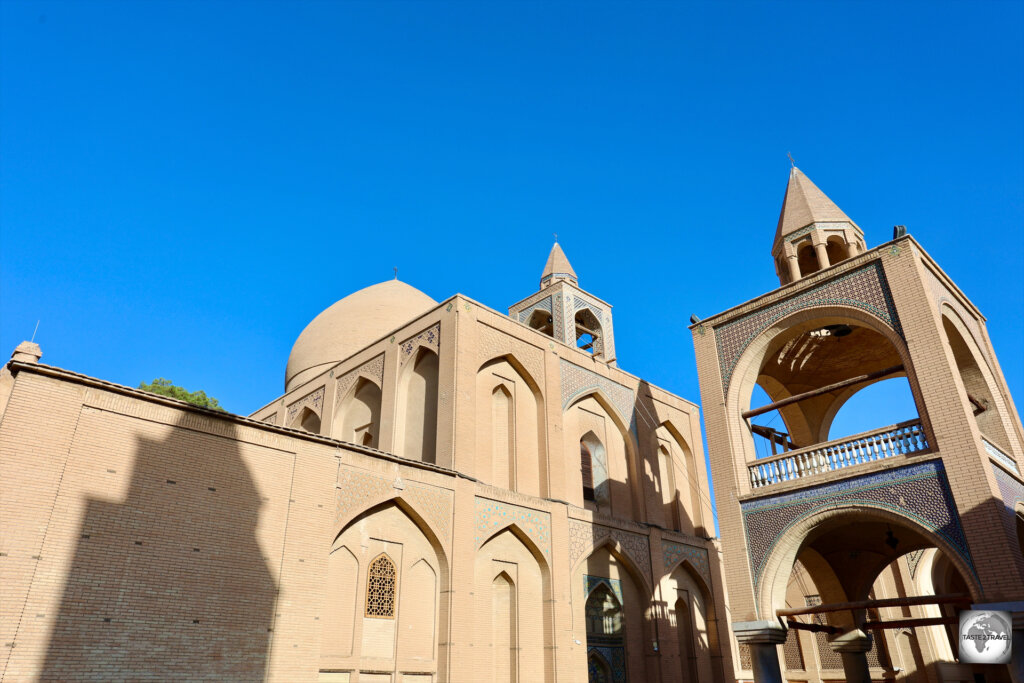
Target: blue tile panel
x=1012, y=491
x=591, y=582
x=918, y=492
x=864, y=288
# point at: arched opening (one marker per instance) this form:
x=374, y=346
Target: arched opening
x=807, y=259
x=848, y=555
x=1020, y=530
x=357, y=419
x=859, y=413
x=588, y=332
x=594, y=470
x=806, y=372
x=836, y=249
x=510, y=448
x=684, y=509
x=667, y=484
x=306, y=420
x=612, y=612
x=419, y=407
x=684, y=633
x=979, y=392
x=782, y=269
x=543, y=322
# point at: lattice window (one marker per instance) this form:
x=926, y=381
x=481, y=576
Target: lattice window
x=380, y=589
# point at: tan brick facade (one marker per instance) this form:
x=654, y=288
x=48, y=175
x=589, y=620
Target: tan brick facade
x=414, y=512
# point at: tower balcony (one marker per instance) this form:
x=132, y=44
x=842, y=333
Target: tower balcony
x=903, y=438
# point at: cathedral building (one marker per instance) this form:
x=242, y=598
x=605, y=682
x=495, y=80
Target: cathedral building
x=443, y=493
x=446, y=493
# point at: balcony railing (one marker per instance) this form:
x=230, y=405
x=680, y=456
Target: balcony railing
x=905, y=437
x=998, y=454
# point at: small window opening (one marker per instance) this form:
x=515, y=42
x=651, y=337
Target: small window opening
x=380, y=588
x=587, y=468
x=542, y=321
x=807, y=260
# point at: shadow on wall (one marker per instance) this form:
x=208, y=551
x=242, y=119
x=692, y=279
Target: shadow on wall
x=170, y=582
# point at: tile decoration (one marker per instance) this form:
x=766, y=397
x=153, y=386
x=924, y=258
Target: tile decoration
x=581, y=302
x=919, y=492
x=913, y=559
x=794, y=236
x=430, y=337
x=584, y=537
x=577, y=381
x=591, y=582
x=270, y=419
x=543, y=305
x=493, y=515
x=1011, y=490
x=865, y=288
x=562, y=331
x=614, y=657
x=313, y=400
x=372, y=369
x=672, y=553
x=357, y=490
x=994, y=452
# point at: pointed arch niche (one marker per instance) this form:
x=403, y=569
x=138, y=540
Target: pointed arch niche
x=680, y=482
x=591, y=427
x=513, y=610
x=691, y=612
x=417, y=407
x=357, y=419
x=383, y=597
x=510, y=450
x=609, y=608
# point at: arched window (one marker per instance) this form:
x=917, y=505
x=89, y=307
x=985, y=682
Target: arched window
x=380, y=588
x=542, y=321
x=419, y=407
x=836, y=249
x=604, y=617
x=588, y=332
x=358, y=418
x=598, y=670
x=503, y=428
x=594, y=468
x=807, y=260
x=307, y=421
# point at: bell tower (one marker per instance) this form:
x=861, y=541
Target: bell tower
x=841, y=542
x=813, y=233
x=563, y=311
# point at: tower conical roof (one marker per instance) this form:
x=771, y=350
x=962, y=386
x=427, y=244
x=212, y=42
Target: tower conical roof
x=557, y=267
x=806, y=204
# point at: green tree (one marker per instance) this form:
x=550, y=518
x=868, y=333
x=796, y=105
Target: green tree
x=164, y=387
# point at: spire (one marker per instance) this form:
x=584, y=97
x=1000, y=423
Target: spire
x=806, y=204
x=557, y=268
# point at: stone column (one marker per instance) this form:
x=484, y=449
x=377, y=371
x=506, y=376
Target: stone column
x=852, y=248
x=853, y=647
x=764, y=638
x=822, y=252
x=794, y=268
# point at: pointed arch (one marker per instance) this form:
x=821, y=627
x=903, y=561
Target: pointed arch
x=307, y=420
x=418, y=385
x=692, y=496
x=511, y=451
x=624, y=478
x=411, y=509
x=357, y=417
x=621, y=555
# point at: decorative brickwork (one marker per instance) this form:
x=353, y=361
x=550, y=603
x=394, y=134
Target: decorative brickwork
x=543, y=305
x=372, y=369
x=584, y=536
x=672, y=553
x=492, y=515
x=314, y=401
x=864, y=288
x=495, y=343
x=577, y=381
x=356, y=490
x=919, y=492
x=430, y=337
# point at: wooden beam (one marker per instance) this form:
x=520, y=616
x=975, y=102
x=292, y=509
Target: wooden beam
x=875, y=604
x=815, y=628
x=909, y=623
x=823, y=390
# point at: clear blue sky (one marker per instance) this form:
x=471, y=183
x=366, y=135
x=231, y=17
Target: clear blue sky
x=186, y=185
